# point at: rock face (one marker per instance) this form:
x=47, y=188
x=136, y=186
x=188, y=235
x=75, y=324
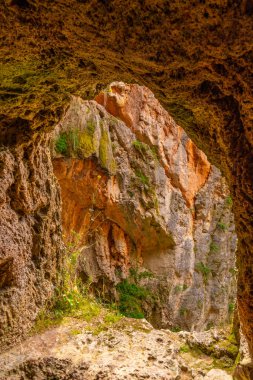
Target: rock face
x=143, y=197
x=196, y=58
x=124, y=351
x=30, y=234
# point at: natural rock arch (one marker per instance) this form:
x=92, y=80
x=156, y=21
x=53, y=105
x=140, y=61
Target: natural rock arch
x=195, y=56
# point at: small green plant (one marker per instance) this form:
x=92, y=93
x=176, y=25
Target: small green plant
x=214, y=248
x=222, y=226
x=136, y=275
x=74, y=332
x=132, y=294
x=131, y=298
x=61, y=145
x=142, y=177
x=184, y=348
x=155, y=152
x=233, y=271
x=231, y=307
x=209, y=326
x=204, y=270
x=229, y=201
x=180, y=288
x=112, y=318
x=184, y=312
x=175, y=328
x=140, y=146
x=145, y=150
x=71, y=298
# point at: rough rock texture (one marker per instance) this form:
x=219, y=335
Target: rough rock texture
x=30, y=229
x=142, y=196
x=127, y=350
x=196, y=57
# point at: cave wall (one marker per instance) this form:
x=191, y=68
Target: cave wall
x=30, y=235
x=195, y=56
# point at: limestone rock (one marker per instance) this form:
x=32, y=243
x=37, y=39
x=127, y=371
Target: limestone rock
x=217, y=374
x=141, y=195
x=196, y=58
x=30, y=234
x=129, y=349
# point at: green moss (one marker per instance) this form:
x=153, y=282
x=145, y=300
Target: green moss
x=108, y=321
x=184, y=348
x=86, y=140
x=81, y=143
x=180, y=288
x=112, y=317
x=233, y=271
x=229, y=201
x=75, y=332
x=107, y=160
x=154, y=152
x=231, y=307
x=230, y=347
x=77, y=143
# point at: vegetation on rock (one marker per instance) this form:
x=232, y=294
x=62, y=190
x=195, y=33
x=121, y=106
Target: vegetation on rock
x=132, y=295
x=72, y=297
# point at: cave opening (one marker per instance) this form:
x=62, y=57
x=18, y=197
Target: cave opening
x=150, y=210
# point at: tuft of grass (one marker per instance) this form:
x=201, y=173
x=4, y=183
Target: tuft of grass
x=71, y=298
x=184, y=312
x=214, y=247
x=140, y=146
x=204, y=270
x=222, y=226
x=142, y=177
x=61, y=145
x=175, y=328
x=136, y=275
x=132, y=295
x=145, y=150
x=109, y=320
x=112, y=318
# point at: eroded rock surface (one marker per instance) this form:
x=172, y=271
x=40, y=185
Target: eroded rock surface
x=30, y=235
x=124, y=351
x=143, y=196
x=196, y=57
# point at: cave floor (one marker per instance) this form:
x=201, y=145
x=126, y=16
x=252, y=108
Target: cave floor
x=125, y=349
